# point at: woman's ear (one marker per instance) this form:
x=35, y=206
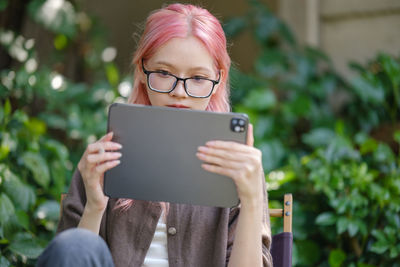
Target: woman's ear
x=221, y=78
x=142, y=76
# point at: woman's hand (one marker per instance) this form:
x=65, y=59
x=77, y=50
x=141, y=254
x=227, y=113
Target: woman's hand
x=243, y=164
x=98, y=158
x=240, y=162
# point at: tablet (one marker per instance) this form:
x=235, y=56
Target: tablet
x=159, y=162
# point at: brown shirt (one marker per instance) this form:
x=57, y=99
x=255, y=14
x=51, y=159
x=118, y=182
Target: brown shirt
x=197, y=235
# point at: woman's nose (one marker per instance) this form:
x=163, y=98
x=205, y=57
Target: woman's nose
x=179, y=90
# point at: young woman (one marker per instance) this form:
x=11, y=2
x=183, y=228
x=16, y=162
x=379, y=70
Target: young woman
x=181, y=62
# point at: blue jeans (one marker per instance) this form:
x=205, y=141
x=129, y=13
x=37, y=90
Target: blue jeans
x=76, y=247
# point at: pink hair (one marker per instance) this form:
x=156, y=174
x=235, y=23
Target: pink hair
x=180, y=21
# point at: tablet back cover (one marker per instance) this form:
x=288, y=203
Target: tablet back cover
x=159, y=160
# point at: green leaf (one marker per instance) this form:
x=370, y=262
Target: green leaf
x=379, y=247
x=368, y=92
x=287, y=34
x=396, y=137
x=60, y=42
x=7, y=108
x=382, y=244
x=326, y=218
x=300, y=105
x=336, y=257
x=20, y=116
x=60, y=18
x=54, y=121
x=392, y=68
x=49, y=210
x=23, y=219
x=4, y=262
x=352, y=228
x=11, y=227
x=6, y=208
x=35, y=126
x=342, y=225
x=369, y=145
x=38, y=166
x=394, y=252
x=58, y=173
x=357, y=67
x=273, y=152
x=269, y=65
x=1, y=113
x=112, y=74
x=261, y=99
x=26, y=245
x=361, y=264
x=7, y=144
x=266, y=25
x=318, y=137
x=308, y=252
x=234, y=26
x=58, y=149
x=383, y=154
x=21, y=194
x=362, y=226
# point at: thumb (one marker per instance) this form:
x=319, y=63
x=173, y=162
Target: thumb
x=250, y=136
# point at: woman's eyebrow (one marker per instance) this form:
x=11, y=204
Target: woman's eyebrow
x=197, y=68
x=164, y=63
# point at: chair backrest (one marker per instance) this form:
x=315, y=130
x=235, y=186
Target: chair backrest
x=286, y=213
x=63, y=195
x=282, y=243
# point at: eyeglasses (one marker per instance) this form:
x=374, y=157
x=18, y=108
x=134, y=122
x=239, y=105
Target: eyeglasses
x=164, y=82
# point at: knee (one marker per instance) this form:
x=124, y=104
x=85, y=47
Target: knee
x=77, y=238
x=76, y=247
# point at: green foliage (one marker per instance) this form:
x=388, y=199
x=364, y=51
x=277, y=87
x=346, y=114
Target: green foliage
x=25, y=180
x=340, y=159
x=47, y=118
x=361, y=191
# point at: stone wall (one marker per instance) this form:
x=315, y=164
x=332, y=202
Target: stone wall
x=347, y=30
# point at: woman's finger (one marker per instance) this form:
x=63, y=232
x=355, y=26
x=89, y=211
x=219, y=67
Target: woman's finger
x=230, y=150
x=219, y=170
x=102, y=168
x=106, y=145
x=229, y=146
x=210, y=159
x=96, y=158
x=106, y=137
x=221, y=153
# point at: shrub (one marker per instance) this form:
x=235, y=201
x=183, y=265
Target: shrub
x=340, y=159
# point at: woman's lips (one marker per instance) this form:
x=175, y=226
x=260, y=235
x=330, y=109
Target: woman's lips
x=177, y=106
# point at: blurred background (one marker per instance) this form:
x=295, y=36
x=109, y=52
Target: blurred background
x=319, y=79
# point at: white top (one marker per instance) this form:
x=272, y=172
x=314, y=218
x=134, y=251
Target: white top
x=157, y=255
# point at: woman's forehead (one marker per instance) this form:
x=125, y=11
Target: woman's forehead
x=187, y=53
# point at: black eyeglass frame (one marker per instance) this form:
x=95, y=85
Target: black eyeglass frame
x=148, y=72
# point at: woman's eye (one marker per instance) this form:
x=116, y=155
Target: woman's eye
x=163, y=72
x=198, y=78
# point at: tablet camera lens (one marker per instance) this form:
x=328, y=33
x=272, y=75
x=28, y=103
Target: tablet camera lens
x=237, y=125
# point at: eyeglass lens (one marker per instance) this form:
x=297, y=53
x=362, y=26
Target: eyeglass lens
x=194, y=86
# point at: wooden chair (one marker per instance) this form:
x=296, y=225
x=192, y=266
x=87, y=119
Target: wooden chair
x=282, y=243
